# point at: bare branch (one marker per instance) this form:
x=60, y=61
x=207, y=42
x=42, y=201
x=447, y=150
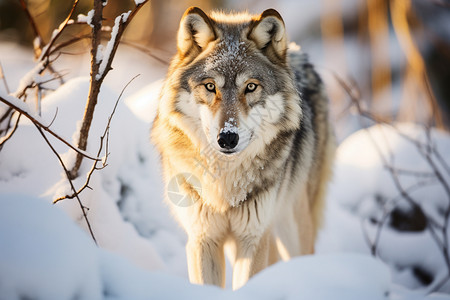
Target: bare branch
x=30, y=18
x=76, y=39
x=2, y=76
x=28, y=81
x=5, y=138
x=426, y=150
x=411, y=172
x=72, y=41
x=45, y=127
x=100, y=66
x=146, y=51
x=82, y=207
x=38, y=37
x=104, y=162
x=441, y=160
x=55, y=36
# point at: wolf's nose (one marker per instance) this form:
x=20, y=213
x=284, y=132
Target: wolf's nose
x=228, y=140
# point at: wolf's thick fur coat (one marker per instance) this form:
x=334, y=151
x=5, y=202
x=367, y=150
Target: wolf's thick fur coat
x=262, y=198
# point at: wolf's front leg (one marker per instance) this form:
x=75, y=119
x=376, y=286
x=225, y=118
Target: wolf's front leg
x=253, y=255
x=206, y=261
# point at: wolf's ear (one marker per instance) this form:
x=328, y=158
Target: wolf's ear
x=269, y=34
x=196, y=30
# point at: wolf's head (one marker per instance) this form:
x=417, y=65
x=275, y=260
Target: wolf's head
x=230, y=86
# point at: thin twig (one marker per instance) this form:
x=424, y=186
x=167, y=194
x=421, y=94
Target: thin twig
x=2, y=75
x=6, y=115
x=37, y=46
x=38, y=69
x=425, y=150
x=410, y=172
x=69, y=42
x=44, y=64
x=441, y=160
x=30, y=18
x=146, y=51
x=388, y=211
x=5, y=138
x=47, y=128
x=104, y=162
x=82, y=207
x=62, y=26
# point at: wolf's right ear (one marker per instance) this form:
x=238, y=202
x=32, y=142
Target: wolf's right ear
x=196, y=30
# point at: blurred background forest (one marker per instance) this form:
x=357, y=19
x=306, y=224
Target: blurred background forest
x=390, y=58
x=396, y=53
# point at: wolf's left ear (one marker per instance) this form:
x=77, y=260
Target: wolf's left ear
x=269, y=34
x=196, y=30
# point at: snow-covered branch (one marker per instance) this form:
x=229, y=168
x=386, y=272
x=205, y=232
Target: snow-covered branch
x=101, y=60
x=100, y=66
x=32, y=78
x=22, y=108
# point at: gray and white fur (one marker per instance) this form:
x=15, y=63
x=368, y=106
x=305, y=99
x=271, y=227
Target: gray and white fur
x=248, y=120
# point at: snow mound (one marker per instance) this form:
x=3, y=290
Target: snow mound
x=120, y=192
x=336, y=276
x=55, y=259
x=366, y=208
x=43, y=254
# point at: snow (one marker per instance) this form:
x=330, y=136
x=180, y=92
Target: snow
x=349, y=215
x=86, y=18
x=137, y=236
x=44, y=255
x=337, y=276
x=229, y=50
x=106, y=53
x=47, y=253
x=17, y=103
x=55, y=259
x=55, y=32
x=125, y=16
x=30, y=112
x=37, y=41
x=144, y=103
x=30, y=77
x=229, y=126
x=99, y=56
x=139, y=2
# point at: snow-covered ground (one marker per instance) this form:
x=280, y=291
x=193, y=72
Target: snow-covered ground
x=47, y=253
x=44, y=255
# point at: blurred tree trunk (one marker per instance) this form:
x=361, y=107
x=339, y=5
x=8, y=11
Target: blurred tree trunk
x=400, y=10
x=431, y=18
x=378, y=27
x=332, y=31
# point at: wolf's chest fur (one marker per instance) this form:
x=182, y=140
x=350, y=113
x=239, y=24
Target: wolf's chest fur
x=231, y=181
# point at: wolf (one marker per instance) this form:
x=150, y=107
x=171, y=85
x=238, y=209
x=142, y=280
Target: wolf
x=242, y=127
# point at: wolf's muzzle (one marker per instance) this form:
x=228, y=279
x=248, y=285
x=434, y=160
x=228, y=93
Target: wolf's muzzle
x=227, y=140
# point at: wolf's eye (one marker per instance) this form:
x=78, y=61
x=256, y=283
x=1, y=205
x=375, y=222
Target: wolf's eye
x=210, y=87
x=251, y=87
